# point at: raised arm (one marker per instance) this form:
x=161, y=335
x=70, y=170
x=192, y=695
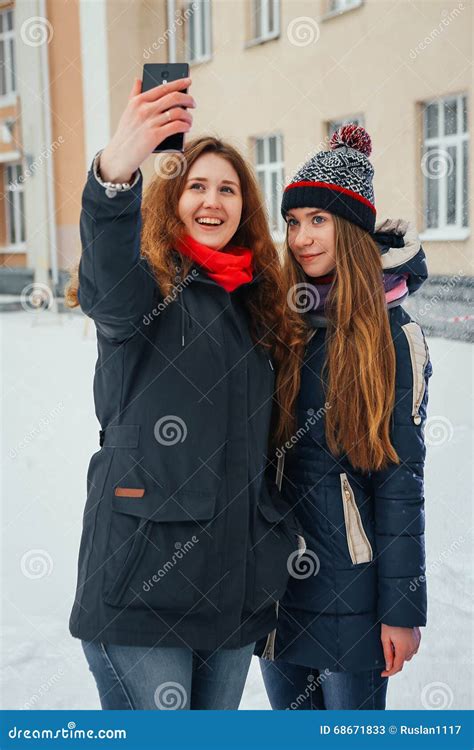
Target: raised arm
x=116, y=285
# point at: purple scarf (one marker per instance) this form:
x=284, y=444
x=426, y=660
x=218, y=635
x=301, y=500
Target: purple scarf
x=394, y=285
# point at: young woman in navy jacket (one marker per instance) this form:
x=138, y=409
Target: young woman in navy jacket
x=355, y=383
x=184, y=548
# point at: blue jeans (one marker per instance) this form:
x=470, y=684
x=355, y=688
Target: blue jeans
x=293, y=687
x=159, y=678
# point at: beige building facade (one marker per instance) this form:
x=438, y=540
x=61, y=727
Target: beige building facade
x=274, y=77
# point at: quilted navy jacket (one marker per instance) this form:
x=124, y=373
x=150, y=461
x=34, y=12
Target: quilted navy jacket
x=365, y=559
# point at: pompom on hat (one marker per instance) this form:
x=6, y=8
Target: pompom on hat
x=339, y=180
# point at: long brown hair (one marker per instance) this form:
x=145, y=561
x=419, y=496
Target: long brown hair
x=359, y=369
x=161, y=226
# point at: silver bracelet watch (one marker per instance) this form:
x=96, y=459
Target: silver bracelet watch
x=112, y=188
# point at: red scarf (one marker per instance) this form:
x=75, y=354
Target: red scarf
x=230, y=268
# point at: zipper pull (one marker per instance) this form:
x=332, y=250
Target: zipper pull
x=270, y=363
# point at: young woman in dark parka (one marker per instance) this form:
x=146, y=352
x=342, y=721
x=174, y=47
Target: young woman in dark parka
x=185, y=540
x=354, y=457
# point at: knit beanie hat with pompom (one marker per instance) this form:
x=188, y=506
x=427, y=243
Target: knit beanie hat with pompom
x=338, y=180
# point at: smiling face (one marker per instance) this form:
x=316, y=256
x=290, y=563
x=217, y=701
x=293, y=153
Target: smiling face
x=312, y=240
x=210, y=205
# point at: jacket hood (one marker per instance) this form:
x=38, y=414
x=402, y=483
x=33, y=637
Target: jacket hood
x=401, y=251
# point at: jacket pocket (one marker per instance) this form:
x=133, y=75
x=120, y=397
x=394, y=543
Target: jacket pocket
x=158, y=551
x=360, y=549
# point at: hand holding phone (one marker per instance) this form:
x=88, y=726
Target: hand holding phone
x=149, y=118
x=157, y=74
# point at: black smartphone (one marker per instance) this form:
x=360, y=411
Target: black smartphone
x=155, y=74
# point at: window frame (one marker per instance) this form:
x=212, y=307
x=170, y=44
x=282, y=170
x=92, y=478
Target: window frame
x=339, y=7
x=7, y=36
x=441, y=142
x=266, y=34
x=18, y=205
x=203, y=43
x=268, y=168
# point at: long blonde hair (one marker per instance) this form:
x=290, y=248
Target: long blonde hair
x=359, y=369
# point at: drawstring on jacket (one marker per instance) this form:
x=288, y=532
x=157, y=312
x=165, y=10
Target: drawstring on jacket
x=181, y=302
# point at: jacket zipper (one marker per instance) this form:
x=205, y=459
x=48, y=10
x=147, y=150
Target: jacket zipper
x=350, y=501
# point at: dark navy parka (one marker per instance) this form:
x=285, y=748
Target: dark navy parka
x=185, y=539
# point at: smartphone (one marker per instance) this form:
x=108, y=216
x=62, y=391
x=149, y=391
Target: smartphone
x=155, y=74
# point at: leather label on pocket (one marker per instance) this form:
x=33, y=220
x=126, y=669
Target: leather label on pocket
x=129, y=491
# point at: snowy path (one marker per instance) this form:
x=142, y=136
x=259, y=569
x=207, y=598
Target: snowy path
x=49, y=433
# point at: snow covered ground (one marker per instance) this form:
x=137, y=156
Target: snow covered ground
x=49, y=433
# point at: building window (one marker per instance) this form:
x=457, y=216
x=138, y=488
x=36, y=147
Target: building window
x=444, y=166
x=7, y=128
x=334, y=125
x=339, y=6
x=14, y=206
x=7, y=54
x=198, y=31
x=270, y=173
x=265, y=19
